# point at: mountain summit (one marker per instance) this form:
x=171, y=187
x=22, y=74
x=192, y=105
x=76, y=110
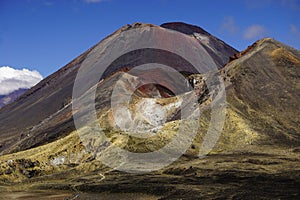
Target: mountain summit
x=219, y=50
x=54, y=93
x=215, y=123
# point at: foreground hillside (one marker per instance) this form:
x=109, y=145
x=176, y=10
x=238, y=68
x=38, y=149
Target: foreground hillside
x=256, y=154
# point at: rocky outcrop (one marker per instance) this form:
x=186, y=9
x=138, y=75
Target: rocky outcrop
x=240, y=54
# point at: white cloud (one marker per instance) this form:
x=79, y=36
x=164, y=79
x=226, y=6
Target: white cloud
x=294, y=30
x=229, y=25
x=14, y=79
x=254, y=32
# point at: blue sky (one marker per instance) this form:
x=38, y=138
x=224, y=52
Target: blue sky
x=44, y=35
